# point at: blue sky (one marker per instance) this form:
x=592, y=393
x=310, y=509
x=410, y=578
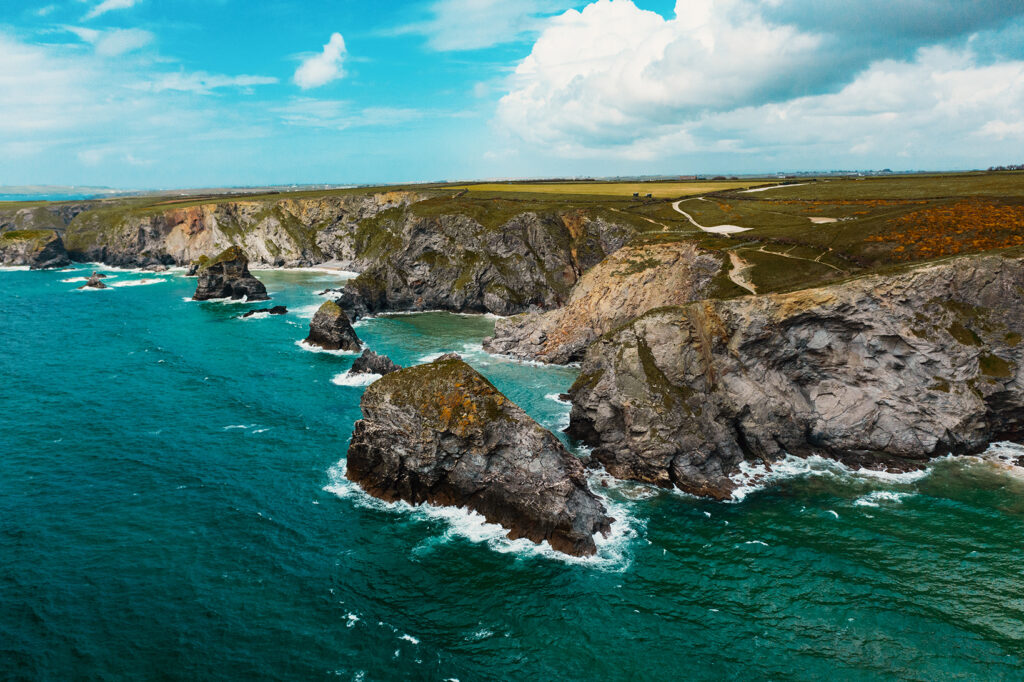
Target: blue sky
x=188, y=93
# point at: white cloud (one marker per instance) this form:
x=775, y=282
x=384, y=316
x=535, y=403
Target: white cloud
x=475, y=24
x=614, y=81
x=324, y=67
x=115, y=41
x=203, y=83
x=338, y=114
x=109, y=5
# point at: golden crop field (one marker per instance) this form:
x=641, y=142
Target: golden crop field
x=661, y=190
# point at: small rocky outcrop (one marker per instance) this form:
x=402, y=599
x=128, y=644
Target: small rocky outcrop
x=441, y=433
x=276, y=310
x=371, y=363
x=625, y=285
x=883, y=372
x=227, y=276
x=95, y=281
x=330, y=329
x=39, y=249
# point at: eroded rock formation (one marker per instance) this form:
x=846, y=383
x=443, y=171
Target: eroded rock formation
x=371, y=363
x=441, y=433
x=882, y=371
x=228, y=276
x=330, y=329
x=39, y=249
x=627, y=284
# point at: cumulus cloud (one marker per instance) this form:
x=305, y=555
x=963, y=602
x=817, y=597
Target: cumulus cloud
x=324, y=67
x=613, y=70
x=110, y=5
x=614, y=81
x=114, y=42
x=476, y=24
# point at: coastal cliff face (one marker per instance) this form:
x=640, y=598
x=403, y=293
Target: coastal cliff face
x=286, y=232
x=881, y=371
x=48, y=216
x=39, y=249
x=627, y=284
x=453, y=262
x=441, y=433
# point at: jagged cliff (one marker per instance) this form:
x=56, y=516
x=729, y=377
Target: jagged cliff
x=633, y=280
x=38, y=249
x=46, y=216
x=454, y=262
x=883, y=370
x=280, y=232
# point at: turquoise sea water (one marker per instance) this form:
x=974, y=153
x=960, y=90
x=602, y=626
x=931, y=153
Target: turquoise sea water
x=173, y=505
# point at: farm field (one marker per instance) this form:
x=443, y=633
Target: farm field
x=660, y=190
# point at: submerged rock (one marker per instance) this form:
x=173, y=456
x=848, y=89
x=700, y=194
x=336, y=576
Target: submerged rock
x=39, y=249
x=330, y=329
x=276, y=310
x=227, y=276
x=881, y=371
x=94, y=282
x=441, y=433
x=371, y=363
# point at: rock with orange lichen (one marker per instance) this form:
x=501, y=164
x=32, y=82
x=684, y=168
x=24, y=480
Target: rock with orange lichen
x=440, y=433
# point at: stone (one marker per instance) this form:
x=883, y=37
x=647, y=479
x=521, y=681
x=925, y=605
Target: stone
x=440, y=433
x=330, y=329
x=885, y=372
x=371, y=363
x=228, y=276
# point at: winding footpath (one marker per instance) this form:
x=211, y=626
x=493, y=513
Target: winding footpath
x=714, y=229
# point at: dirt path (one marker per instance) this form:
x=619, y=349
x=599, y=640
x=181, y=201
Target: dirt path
x=738, y=274
x=713, y=229
x=664, y=227
x=809, y=260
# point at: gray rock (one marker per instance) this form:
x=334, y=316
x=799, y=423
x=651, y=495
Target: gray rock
x=95, y=281
x=39, y=249
x=441, y=433
x=371, y=363
x=452, y=262
x=227, y=276
x=330, y=329
x=882, y=371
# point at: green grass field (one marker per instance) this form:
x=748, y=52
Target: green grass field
x=660, y=190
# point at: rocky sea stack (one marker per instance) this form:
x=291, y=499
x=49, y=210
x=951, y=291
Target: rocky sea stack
x=330, y=329
x=95, y=281
x=227, y=276
x=39, y=249
x=882, y=371
x=441, y=433
x=371, y=363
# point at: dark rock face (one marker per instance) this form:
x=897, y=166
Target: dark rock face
x=354, y=306
x=883, y=371
x=331, y=330
x=94, y=282
x=39, y=249
x=371, y=363
x=276, y=310
x=227, y=276
x=452, y=262
x=441, y=433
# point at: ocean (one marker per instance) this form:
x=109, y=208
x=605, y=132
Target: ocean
x=173, y=505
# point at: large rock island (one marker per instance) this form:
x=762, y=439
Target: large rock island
x=228, y=276
x=441, y=433
x=881, y=371
x=330, y=329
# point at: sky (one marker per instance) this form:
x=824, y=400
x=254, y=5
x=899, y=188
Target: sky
x=146, y=94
